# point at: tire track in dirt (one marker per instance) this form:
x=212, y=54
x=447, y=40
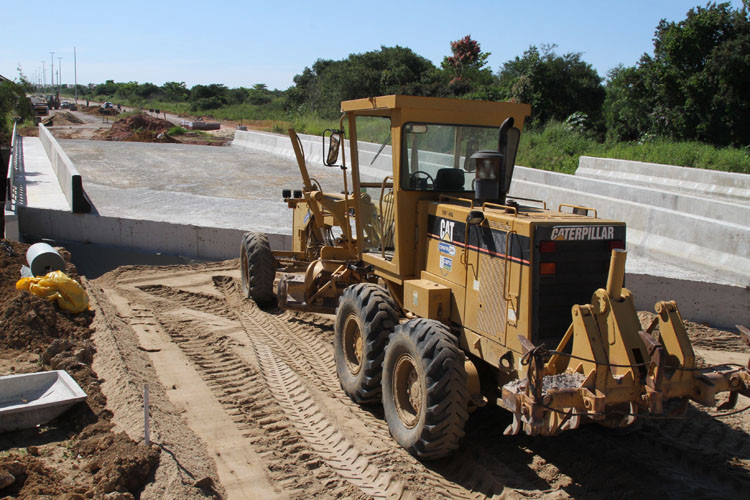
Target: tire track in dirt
x=242, y=389
x=337, y=451
x=301, y=336
x=304, y=341
x=286, y=387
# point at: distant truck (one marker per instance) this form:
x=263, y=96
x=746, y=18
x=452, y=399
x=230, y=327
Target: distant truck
x=40, y=106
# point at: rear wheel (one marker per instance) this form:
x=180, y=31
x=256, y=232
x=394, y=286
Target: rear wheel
x=425, y=395
x=257, y=266
x=365, y=317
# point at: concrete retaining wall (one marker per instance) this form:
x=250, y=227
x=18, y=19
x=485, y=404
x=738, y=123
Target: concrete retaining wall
x=682, y=179
x=67, y=174
x=195, y=242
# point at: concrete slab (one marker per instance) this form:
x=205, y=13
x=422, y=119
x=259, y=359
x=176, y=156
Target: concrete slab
x=42, y=188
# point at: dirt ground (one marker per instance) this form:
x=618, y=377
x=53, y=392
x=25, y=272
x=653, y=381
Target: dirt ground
x=139, y=127
x=245, y=403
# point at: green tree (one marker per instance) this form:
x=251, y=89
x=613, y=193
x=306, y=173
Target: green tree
x=107, y=88
x=175, y=91
x=697, y=83
x=211, y=96
x=259, y=94
x=13, y=103
x=627, y=105
x=555, y=86
x=23, y=81
x=390, y=70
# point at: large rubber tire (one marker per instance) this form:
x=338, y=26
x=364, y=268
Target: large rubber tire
x=365, y=317
x=258, y=269
x=425, y=393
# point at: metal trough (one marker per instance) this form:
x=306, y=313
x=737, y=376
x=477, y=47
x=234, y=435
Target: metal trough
x=32, y=399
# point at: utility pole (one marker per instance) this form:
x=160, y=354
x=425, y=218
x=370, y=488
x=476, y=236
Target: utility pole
x=75, y=74
x=52, y=69
x=59, y=74
x=44, y=75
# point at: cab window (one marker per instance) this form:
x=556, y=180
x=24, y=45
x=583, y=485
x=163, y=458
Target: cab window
x=436, y=157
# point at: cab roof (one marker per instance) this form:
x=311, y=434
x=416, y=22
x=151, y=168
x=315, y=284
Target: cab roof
x=444, y=110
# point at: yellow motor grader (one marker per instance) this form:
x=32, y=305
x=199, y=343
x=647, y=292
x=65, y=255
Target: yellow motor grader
x=449, y=294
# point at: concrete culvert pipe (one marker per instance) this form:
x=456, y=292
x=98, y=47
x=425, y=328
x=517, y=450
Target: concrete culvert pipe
x=44, y=259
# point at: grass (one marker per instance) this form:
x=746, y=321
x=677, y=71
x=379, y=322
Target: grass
x=176, y=130
x=557, y=148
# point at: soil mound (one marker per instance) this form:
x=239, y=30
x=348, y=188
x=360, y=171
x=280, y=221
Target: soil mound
x=62, y=118
x=30, y=322
x=139, y=128
x=76, y=455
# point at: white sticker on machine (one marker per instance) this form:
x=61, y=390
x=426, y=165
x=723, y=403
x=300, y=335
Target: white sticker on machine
x=446, y=263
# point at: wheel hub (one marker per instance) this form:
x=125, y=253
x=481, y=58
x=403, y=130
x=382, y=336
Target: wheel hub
x=407, y=391
x=353, y=347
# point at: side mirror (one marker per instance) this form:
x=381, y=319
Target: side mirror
x=334, y=142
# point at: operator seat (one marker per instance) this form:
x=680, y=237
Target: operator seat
x=449, y=179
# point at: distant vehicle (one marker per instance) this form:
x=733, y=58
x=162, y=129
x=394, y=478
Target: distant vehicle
x=53, y=101
x=107, y=108
x=40, y=106
x=65, y=105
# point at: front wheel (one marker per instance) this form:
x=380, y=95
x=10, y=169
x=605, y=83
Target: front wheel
x=425, y=396
x=257, y=268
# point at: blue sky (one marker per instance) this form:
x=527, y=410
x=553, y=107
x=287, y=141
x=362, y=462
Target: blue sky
x=243, y=43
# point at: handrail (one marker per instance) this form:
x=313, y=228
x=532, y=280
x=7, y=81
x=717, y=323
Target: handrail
x=507, y=208
x=574, y=207
x=456, y=198
x=10, y=177
x=544, y=203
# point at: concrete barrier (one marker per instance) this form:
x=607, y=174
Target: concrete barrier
x=195, y=242
x=702, y=206
x=67, y=174
x=682, y=179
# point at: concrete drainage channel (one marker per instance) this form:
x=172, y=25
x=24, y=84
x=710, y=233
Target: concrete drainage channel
x=688, y=232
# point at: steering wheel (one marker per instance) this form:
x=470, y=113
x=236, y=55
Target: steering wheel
x=417, y=183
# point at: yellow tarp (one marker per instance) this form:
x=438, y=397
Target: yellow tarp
x=68, y=293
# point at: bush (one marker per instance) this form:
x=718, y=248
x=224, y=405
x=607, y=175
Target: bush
x=176, y=130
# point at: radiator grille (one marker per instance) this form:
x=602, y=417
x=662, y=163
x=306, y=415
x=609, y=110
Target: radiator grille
x=581, y=268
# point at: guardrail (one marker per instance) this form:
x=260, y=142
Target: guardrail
x=67, y=174
x=10, y=175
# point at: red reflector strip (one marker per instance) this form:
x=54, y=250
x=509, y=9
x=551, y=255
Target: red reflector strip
x=547, y=246
x=547, y=268
x=616, y=244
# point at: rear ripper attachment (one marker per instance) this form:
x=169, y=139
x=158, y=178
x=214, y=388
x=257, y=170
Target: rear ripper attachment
x=607, y=369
